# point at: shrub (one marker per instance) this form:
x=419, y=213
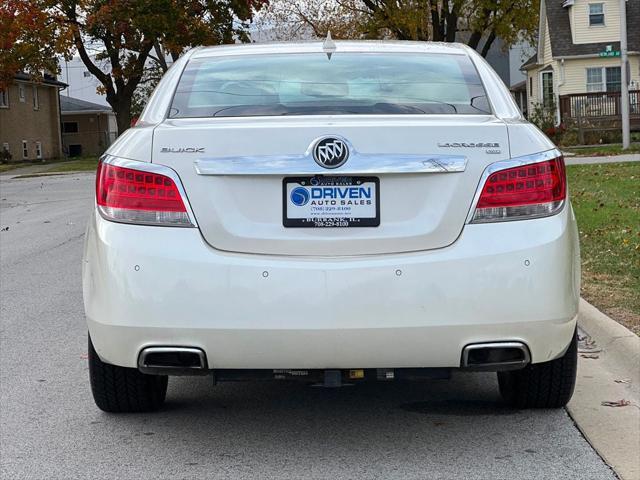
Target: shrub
x=5, y=156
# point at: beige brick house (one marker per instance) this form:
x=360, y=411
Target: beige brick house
x=577, y=63
x=87, y=128
x=30, y=118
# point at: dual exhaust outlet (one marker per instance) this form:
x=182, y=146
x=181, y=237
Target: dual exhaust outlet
x=193, y=361
x=495, y=356
x=173, y=361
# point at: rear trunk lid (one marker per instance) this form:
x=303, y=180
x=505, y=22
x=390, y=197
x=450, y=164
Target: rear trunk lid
x=240, y=206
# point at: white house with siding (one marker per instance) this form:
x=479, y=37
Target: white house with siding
x=577, y=63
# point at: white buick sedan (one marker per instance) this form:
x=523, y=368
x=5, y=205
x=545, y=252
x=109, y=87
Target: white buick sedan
x=331, y=213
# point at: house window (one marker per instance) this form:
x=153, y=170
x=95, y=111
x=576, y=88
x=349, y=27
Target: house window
x=596, y=14
x=25, y=149
x=614, y=79
x=547, y=89
x=4, y=99
x=604, y=79
x=70, y=127
x=5, y=146
x=21, y=94
x=38, y=149
x=36, y=100
x=594, y=80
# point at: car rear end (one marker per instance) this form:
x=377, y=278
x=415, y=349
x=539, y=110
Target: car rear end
x=382, y=212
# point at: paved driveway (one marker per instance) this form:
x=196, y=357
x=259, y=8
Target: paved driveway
x=50, y=428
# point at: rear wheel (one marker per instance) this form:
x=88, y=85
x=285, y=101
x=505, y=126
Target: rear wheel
x=542, y=385
x=119, y=389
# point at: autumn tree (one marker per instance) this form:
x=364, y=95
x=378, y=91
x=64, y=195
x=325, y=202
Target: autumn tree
x=307, y=19
x=29, y=40
x=128, y=35
x=117, y=40
x=476, y=22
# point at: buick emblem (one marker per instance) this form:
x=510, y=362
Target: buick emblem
x=330, y=152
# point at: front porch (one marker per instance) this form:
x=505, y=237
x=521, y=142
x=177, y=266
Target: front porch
x=598, y=111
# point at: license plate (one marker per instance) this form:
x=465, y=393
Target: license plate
x=331, y=201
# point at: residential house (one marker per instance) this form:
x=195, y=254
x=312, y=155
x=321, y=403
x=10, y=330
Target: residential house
x=30, y=118
x=519, y=93
x=81, y=83
x=87, y=128
x=577, y=63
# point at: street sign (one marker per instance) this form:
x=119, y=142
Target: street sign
x=609, y=52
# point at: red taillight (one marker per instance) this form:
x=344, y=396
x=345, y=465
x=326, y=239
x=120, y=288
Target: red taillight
x=532, y=190
x=136, y=196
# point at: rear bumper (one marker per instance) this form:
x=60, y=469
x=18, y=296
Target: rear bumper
x=153, y=286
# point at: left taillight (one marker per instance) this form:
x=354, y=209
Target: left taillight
x=129, y=195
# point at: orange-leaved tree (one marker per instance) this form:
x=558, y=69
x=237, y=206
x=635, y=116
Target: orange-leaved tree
x=29, y=40
x=120, y=40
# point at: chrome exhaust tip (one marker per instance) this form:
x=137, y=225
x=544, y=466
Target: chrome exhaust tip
x=173, y=361
x=495, y=356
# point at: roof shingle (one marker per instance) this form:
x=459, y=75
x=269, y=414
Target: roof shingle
x=70, y=104
x=560, y=31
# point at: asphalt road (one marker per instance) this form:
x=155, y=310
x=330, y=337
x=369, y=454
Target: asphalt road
x=50, y=428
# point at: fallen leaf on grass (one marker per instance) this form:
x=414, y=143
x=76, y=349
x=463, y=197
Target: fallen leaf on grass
x=619, y=403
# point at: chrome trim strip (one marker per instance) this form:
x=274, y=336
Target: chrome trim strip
x=504, y=164
x=304, y=164
x=477, y=346
x=151, y=168
x=357, y=164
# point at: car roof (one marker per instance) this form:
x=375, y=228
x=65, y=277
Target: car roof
x=364, y=46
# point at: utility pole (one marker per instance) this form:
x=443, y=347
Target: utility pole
x=624, y=84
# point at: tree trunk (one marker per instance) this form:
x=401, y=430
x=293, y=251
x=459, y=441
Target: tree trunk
x=488, y=43
x=122, y=110
x=452, y=26
x=474, y=40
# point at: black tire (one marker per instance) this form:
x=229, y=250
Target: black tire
x=121, y=390
x=542, y=385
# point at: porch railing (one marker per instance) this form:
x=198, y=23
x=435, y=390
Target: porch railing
x=597, y=105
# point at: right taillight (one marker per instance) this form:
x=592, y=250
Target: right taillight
x=521, y=192
x=139, y=196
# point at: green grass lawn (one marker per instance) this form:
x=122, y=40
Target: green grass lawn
x=84, y=164
x=5, y=167
x=77, y=165
x=602, y=150
x=606, y=201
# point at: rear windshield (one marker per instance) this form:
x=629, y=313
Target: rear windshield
x=314, y=84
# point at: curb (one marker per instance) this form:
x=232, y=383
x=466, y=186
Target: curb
x=49, y=174
x=620, y=344
x=608, y=372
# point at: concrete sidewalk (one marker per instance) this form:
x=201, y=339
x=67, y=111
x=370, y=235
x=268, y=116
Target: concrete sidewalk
x=630, y=157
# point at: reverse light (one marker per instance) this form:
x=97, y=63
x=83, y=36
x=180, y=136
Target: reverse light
x=131, y=195
x=525, y=191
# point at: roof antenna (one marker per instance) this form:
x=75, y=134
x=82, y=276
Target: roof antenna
x=328, y=46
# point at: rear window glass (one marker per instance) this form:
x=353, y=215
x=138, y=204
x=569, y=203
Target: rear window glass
x=345, y=84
